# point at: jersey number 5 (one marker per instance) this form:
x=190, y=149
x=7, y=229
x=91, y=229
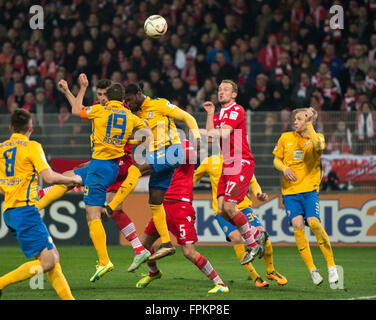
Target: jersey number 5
x=10, y=161
x=113, y=122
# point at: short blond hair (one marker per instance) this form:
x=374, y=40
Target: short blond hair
x=298, y=110
x=232, y=83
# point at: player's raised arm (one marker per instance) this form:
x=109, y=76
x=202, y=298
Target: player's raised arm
x=210, y=109
x=63, y=85
x=80, y=96
x=317, y=141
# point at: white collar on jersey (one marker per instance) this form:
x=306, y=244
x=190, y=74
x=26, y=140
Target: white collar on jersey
x=224, y=109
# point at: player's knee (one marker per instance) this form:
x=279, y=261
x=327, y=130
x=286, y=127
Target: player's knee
x=235, y=237
x=189, y=253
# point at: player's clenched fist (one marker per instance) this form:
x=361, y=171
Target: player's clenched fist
x=82, y=79
x=63, y=85
x=209, y=107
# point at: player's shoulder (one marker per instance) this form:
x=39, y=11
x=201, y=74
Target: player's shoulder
x=33, y=144
x=321, y=136
x=288, y=136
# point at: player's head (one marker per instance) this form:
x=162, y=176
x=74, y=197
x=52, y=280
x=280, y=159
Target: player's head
x=227, y=92
x=300, y=119
x=21, y=122
x=115, y=92
x=133, y=96
x=102, y=86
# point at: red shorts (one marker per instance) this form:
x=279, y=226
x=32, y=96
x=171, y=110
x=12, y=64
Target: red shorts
x=124, y=163
x=234, y=187
x=180, y=218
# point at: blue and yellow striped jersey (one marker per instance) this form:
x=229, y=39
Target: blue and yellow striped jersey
x=112, y=125
x=159, y=114
x=21, y=160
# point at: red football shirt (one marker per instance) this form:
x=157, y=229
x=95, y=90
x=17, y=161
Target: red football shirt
x=181, y=187
x=236, y=147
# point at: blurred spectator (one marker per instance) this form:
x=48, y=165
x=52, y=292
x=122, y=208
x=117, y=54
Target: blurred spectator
x=263, y=91
x=189, y=74
x=218, y=46
x=366, y=129
x=360, y=52
x=204, y=93
x=334, y=63
x=270, y=54
x=48, y=66
x=263, y=20
x=283, y=67
x=32, y=78
x=6, y=54
x=302, y=92
x=17, y=96
x=282, y=93
x=28, y=101
x=341, y=140
x=42, y=106
x=347, y=75
x=226, y=69
x=179, y=93
x=331, y=94
x=183, y=52
x=349, y=99
x=306, y=66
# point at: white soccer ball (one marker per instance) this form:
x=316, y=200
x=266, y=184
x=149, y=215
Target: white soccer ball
x=155, y=26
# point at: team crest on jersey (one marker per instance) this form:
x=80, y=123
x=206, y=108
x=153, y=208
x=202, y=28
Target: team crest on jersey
x=150, y=114
x=307, y=143
x=225, y=116
x=233, y=115
x=241, y=178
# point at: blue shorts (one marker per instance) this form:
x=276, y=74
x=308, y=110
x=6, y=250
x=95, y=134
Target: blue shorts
x=96, y=178
x=29, y=228
x=164, y=162
x=227, y=227
x=305, y=204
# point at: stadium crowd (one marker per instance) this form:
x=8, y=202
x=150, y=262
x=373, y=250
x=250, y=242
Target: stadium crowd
x=282, y=54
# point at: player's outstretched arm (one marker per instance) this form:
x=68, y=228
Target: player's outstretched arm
x=80, y=96
x=52, y=177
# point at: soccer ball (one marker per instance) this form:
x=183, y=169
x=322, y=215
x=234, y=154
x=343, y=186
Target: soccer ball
x=155, y=26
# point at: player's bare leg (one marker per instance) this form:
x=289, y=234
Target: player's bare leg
x=128, y=229
x=254, y=239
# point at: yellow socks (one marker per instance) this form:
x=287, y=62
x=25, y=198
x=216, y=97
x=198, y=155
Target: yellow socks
x=323, y=241
x=98, y=236
x=268, y=257
x=240, y=253
x=159, y=219
x=126, y=187
x=23, y=272
x=56, y=192
x=59, y=283
x=304, y=249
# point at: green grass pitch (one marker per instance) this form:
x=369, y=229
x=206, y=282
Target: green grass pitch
x=183, y=281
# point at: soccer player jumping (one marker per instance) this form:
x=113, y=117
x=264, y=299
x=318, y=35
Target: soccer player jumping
x=229, y=126
x=297, y=155
x=164, y=156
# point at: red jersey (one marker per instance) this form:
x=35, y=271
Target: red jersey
x=181, y=186
x=236, y=147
